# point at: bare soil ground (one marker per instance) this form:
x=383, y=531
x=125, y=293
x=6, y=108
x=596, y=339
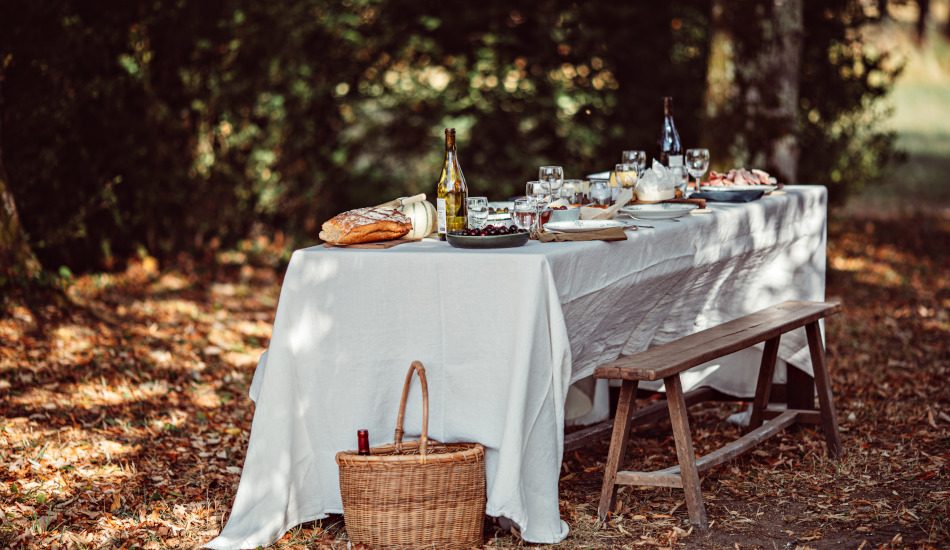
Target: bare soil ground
x=124, y=415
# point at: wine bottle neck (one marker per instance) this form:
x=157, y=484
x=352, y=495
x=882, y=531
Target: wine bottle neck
x=667, y=106
x=450, y=140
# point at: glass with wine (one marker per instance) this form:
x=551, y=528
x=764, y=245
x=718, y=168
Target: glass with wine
x=523, y=213
x=541, y=193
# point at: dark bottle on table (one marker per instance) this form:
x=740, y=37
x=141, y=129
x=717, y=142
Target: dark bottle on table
x=451, y=192
x=671, y=150
x=362, y=442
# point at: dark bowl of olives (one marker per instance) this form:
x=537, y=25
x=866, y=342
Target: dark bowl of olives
x=490, y=236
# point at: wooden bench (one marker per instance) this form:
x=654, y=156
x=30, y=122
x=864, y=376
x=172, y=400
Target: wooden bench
x=667, y=361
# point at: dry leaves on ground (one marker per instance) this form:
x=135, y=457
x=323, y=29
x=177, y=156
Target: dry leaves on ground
x=124, y=417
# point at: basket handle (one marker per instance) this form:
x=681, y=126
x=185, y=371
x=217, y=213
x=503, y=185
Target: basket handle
x=415, y=367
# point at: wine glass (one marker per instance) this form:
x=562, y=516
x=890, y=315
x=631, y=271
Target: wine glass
x=697, y=162
x=540, y=193
x=553, y=175
x=477, y=212
x=523, y=213
x=626, y=175
x=636, y=158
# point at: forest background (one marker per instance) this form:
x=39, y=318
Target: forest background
x=177, y=128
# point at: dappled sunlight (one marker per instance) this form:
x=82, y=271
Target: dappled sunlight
x=170, y=282
x=146, y=439
x=72, y=342
x=868, y=271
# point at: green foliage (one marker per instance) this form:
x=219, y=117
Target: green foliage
x=183, y=125
x=844, y=82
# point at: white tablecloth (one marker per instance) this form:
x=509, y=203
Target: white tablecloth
x=502, y=334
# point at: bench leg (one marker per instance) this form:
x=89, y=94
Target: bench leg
x=684, y=451
x=829, y=422
x=618, y=446
x=763, y=389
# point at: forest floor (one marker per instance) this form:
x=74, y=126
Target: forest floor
x=124, y=414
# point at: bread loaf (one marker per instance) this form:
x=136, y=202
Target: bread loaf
x=365, y=225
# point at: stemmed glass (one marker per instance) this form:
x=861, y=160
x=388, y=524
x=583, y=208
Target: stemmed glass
x=636, y=158
x=553, y=176
x=541, y=193
x=477, y=212
x=697, y=162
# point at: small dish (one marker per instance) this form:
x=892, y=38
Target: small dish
x=659, y=211
x=578, y=226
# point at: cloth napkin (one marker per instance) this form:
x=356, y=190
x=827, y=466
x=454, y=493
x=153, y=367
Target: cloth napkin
x=729, y=196
x=609, y=234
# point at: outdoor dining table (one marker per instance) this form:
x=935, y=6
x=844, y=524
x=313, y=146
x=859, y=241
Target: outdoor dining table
x=503, y=333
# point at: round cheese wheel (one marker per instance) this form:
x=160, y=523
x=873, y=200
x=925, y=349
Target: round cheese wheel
x=422, y=215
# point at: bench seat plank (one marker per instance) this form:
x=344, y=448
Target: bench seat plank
x=667, y=359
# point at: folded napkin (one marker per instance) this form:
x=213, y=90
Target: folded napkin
x=729, y=196
x=610, y=234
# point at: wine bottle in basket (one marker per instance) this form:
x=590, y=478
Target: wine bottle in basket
x=671, y=150
x=452, y=193
x=362, y=442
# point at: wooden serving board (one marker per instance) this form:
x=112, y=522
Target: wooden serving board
x=375, y=246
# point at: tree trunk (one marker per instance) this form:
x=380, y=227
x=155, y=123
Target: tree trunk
x=752, y=92
x=922, y=14
x=16, y=256
x=784, y=64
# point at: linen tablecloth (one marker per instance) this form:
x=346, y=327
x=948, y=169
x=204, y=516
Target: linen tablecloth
x=502, y=333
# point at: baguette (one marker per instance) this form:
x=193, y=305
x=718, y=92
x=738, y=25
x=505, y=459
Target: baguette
x=365, y=225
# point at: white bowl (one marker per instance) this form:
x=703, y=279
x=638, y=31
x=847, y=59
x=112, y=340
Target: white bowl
x=655, y=196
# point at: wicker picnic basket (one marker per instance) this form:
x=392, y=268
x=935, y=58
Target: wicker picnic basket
x=414, y=494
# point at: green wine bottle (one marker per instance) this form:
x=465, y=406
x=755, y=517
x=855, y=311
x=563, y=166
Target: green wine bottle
x=451, y=193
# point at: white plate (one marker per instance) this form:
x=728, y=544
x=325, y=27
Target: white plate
x=767, y=188
x=578, y=226
x=659, y=211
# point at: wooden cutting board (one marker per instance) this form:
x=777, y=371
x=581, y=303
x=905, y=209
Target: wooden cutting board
x=377, y=245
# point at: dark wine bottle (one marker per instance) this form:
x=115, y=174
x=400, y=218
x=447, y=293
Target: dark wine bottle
x=451, y=193
x=671, y=150
x=362, y=442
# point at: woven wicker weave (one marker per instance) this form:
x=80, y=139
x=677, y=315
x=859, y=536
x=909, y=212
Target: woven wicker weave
x=417, y=494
